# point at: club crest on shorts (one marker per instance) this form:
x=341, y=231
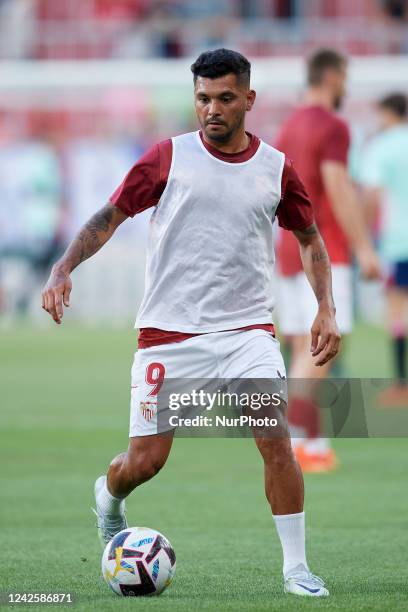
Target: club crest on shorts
x=147, y=409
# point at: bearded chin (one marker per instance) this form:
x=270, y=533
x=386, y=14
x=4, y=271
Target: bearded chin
x=220, y=137
x=228, y=135
x=338, y=102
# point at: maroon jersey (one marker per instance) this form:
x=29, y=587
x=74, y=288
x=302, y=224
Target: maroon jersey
x=311, y=136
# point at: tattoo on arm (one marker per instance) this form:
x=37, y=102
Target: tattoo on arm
x=311, y=238
x=319, y=256
x=308, y=231
x=91, y=237
x=315, y=262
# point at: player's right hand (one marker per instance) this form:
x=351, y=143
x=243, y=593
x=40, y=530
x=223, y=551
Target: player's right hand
x=56, y=293
x=369, y=263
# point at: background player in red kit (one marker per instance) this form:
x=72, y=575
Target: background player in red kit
x=317, y=140
x=207, y=308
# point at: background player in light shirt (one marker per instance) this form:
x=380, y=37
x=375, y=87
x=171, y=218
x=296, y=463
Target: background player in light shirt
x=207, y=309
x=385, y=177
x=317, y=140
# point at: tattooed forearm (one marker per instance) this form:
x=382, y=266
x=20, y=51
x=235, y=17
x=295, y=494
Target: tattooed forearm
x=91, y=237
x=320, y=256
x=308, y=231
x=316, y=263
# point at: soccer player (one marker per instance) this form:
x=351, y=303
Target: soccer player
x=385, y=176
x=317, y=141
x=207, y=309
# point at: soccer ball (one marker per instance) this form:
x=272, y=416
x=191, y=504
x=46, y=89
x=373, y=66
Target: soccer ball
x=138, y=561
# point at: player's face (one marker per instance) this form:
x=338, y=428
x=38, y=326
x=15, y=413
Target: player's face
x=386, y=118
x=221, y=105
x=339, y=78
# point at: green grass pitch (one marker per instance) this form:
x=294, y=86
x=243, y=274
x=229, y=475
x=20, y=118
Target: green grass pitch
x=64, y=414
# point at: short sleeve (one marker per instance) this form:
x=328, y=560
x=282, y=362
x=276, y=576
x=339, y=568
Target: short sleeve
x=144, y=184
x=295, y=210
x=336, y=143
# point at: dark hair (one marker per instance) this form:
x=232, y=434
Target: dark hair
x=322, y=60
x=396, y=102
x=218, y=63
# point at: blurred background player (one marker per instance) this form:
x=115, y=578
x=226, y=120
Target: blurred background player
x=30, y=215
x=317, y=140
x=385, y=177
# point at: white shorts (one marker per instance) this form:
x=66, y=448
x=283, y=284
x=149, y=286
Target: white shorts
x=220, y=355
x=297, y=306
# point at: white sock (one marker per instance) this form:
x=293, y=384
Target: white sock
x=297, y=436
x=113, y=506
x=291, y=532
x=317, y=446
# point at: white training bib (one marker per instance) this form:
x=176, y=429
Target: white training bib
x=210, y=255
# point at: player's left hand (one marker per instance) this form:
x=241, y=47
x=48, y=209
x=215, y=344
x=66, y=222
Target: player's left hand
x=325, y=336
